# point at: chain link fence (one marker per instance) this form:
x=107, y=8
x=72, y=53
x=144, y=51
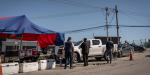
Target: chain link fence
x=141, y=42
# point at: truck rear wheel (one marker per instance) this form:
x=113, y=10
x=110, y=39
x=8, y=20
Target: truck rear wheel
x=75, y=58
x=105, y=56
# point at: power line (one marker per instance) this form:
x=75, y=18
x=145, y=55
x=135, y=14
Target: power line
x=130, y=26
x=138, y=14
x=131, y=17
x=80, y=26
x=112, y=18
x=83, y=5
x=66, y=14
x=81, y=30
x=97, y=27
x=134, y=12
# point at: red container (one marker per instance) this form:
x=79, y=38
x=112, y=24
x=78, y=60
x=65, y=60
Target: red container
x=34, y=51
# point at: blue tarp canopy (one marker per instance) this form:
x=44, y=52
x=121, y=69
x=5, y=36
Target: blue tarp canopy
x=10, y=26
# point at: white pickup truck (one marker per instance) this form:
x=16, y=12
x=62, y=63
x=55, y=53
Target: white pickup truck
x=96, y=49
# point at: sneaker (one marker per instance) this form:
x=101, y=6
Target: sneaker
x=65, y=68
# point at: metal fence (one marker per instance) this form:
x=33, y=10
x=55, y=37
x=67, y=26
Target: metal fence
x=141, y=42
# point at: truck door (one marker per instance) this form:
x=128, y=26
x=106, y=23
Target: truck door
x=96, y=48
x=90, y=50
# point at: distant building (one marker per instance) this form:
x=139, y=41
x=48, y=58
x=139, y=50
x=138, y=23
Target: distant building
x=104, y=39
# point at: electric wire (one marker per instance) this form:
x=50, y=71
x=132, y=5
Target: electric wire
x=131, y=17
x=66, y=14
x=111, y=19
x=91, y=28
x=81, y=30
x=73, y=27
x=83, y=5
x=137, y=14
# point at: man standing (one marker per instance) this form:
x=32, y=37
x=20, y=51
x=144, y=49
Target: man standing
x=69, y=52
x=85, y=51
x=109, y=49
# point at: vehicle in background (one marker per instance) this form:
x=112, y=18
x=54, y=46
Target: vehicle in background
x=124, y=50
x=97, y=50
x=138, y=48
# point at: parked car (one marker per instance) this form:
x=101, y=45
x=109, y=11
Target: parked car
x=97, y=50
x=124, y=50
x=138, y=48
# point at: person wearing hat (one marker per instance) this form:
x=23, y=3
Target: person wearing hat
x=85, y=51
x=109, y=49
x=69, y=52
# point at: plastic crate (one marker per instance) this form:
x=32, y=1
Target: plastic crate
x=22, y=52
x=28, y=52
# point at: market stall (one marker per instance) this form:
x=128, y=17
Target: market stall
x=20, y=28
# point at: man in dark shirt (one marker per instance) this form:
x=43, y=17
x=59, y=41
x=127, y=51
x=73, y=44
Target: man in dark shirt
x=69, y=52
x=85, y=51
x=109, y=49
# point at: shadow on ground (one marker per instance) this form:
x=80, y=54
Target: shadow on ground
x=147, y=56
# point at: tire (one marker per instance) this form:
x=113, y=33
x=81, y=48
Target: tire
x=75, y=58
x=105, y=56
x=140, y=50
x=119, y=54
x=97, y=58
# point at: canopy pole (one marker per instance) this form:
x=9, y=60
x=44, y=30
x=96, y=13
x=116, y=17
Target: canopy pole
x=37, y=45
x=20, y=48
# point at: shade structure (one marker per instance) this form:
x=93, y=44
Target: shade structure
x=10, y=26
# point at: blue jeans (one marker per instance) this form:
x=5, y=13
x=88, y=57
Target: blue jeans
x=67, y=57
x=109, y=55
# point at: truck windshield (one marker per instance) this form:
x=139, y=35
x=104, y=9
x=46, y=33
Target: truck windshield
x=78, y=43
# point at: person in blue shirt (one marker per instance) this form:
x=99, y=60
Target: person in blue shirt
x=69, y=52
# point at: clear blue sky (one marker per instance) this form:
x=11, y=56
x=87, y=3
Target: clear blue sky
x=72, y=16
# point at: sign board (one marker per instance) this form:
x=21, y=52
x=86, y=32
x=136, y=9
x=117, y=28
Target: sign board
x=146, y=40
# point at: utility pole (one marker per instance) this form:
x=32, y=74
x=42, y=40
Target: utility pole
x=107, y=21
x=117, y=24
x=93, y=35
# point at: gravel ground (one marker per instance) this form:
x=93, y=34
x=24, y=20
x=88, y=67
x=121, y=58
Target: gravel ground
x=122, y=66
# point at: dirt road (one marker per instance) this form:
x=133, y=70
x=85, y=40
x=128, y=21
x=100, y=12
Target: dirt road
x=122, y=66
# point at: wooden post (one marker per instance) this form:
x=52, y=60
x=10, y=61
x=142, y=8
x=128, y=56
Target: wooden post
x=20, y=48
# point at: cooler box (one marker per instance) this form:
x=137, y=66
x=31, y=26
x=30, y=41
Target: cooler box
x=28, y=67
x=42, y=64
x=28, y=52
x=10, y=68
x=48, y=52
x=51, y=63
x=34, y=51
x=22, y=52
x=14, y=52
